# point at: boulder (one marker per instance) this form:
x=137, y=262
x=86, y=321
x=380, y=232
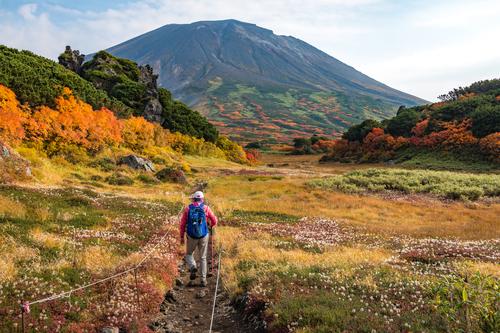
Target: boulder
x=138, y=163
x=172, y=174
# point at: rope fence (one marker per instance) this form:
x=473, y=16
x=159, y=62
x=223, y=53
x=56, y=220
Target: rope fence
x=25, y=305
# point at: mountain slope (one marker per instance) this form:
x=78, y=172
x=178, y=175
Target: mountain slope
x=252, y=82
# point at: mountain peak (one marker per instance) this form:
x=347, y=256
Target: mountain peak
x=245, y=77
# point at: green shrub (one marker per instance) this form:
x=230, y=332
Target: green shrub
x=180, y=118
x=358, y=132
x=445, y=184
x=173, y=174
x=147, y=179
x=119, y=179
x=105, y=164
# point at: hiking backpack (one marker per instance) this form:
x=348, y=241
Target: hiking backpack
x=197, y=222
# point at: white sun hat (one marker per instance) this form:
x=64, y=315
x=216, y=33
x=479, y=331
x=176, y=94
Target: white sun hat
x=197, y=195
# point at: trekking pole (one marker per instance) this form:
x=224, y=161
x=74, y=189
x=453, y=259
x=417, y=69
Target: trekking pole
x=215, y=292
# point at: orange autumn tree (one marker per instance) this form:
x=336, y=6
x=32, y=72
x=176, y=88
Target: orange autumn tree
x=453, y=135
x=106, y=129
x=490, y=145
x=138, y=133
x=73, y=123
x=12, y=116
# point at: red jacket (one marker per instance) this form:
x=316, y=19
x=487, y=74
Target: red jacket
x=211, y=218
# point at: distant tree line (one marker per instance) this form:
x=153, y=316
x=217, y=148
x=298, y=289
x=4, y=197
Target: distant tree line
x=468, y=119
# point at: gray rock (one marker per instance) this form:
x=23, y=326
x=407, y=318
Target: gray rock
x=153, y=111
x=138, y=163
x=72, y=60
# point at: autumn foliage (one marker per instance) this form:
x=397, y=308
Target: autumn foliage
x=73, y=126
x=466, y=123
x=138, y=133
x=12, y=116
x=73, y=122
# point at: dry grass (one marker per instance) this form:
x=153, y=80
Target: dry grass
x=47, y=239
x=260, y=248
x=97, y=259
x=10, y=252
x=11, y=208
x=485, y=268
x=310, y=163
x=421, y=218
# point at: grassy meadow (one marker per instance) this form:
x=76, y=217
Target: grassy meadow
x=311, y=257
x=305, y=254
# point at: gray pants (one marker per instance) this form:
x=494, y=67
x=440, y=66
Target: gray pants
x=202, y=245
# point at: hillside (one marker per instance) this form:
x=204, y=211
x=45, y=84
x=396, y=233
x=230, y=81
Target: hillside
x=38, y=81
x=136, y=87
x=463, y=128
x=105, y=81
x=253, y=83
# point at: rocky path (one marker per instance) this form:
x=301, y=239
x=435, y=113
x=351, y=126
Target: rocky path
x=187, y=308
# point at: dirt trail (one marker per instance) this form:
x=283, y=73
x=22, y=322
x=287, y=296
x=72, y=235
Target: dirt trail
x=187, y=308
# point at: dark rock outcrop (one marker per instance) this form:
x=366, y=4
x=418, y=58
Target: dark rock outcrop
x=136, y=87
x=137, y=162
x=152, y=109
x=72, y=60
x=123, y=79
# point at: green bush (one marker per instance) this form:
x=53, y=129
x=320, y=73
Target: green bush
x=403, y=122
x=105, y=164
x=147, y=179
x=180, y=118
x=119, y=179
x=358, y=132
x=450, y=185
x=485, y=120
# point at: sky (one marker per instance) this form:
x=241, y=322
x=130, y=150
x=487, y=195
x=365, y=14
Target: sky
x=422, y=47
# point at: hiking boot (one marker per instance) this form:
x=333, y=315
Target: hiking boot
x=203, y=283
x=192, y=274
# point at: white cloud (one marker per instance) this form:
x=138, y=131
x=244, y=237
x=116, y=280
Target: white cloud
x=27, y=11
x=418, y=47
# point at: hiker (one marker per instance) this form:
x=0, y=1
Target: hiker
x=197, y=222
